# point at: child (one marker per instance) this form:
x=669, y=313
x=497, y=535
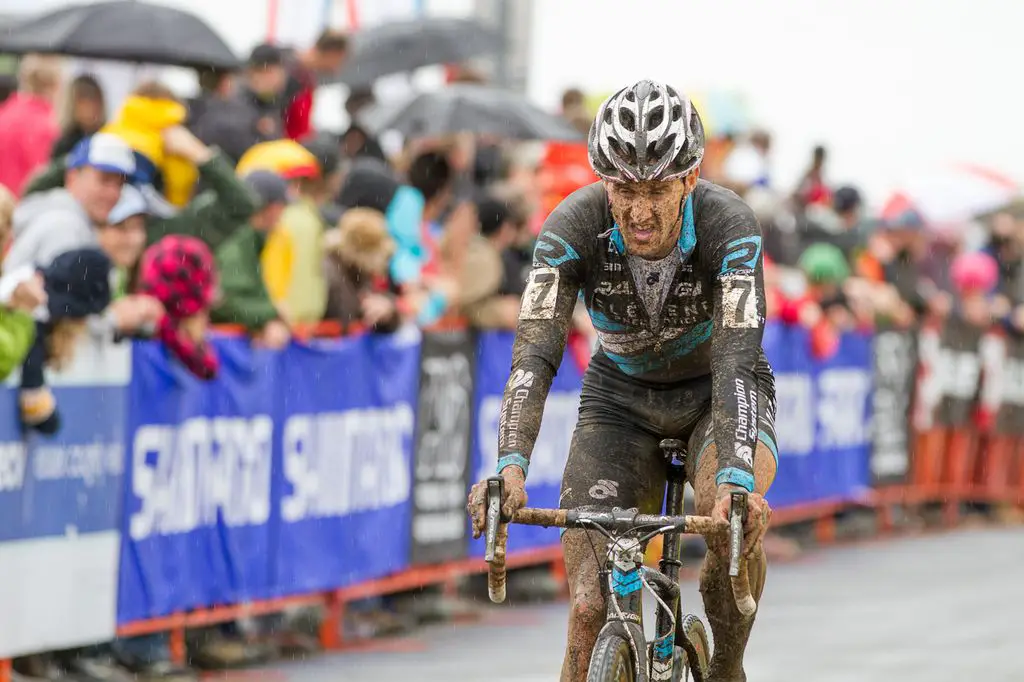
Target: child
x=179, y=272
x=77, y=285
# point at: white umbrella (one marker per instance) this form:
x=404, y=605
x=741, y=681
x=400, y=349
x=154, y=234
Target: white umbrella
x=954, y=195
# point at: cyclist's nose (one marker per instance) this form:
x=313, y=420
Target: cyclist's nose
x=641, y=211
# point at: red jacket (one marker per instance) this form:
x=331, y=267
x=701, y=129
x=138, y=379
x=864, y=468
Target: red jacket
x=298, y=116
x=28, y=129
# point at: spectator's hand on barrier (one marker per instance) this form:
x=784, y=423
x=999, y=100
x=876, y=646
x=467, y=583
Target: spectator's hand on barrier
x=178, y=141
x=29, y=295
x=759, y=515
x=514, y=498
x=275, y=335
x=195, y=327
x=377, y=308
x=135, y=312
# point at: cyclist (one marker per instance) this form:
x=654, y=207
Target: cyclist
x=669, y=268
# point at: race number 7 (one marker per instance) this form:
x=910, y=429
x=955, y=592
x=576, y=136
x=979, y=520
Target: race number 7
x=739, y=304
x=540, y=295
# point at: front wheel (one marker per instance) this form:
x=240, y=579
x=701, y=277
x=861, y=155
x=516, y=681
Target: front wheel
x=696, y=651
x=612, y=660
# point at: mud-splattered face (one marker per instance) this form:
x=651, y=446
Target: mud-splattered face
x=648, y=213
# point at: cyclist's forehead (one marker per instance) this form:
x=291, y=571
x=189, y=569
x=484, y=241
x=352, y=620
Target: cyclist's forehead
x=648, y=188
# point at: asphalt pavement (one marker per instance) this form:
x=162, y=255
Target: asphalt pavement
x=938, y=608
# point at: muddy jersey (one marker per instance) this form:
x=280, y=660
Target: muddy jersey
x=709, y=319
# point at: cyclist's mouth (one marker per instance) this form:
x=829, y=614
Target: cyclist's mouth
x=641, y=235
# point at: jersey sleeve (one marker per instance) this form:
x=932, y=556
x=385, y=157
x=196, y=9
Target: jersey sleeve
x=545, y=317
x=739, y=314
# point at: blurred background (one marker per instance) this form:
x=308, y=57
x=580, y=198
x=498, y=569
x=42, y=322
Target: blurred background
x=318, y=256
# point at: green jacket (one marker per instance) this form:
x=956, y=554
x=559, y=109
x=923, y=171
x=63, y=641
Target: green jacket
x=244, y=296
x=17, y=332
x=211, y=216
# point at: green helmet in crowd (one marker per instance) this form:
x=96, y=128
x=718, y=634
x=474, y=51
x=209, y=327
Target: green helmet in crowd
x=824, y=264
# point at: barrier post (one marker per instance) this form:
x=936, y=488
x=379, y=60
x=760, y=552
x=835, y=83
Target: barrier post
x=330, y=626
x=5, y=670
x=176, y=644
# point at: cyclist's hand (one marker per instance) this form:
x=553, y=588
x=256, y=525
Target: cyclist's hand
x=514, y=498
x=759, y=515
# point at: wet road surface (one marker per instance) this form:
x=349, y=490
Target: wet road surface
x=939, y=608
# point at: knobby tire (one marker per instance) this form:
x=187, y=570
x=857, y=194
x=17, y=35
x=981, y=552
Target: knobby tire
x=612, y=660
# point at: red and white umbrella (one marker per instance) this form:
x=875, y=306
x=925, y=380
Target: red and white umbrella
x=953, y=196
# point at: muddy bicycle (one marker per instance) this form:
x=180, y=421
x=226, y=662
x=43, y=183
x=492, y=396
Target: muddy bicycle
x=679, y=650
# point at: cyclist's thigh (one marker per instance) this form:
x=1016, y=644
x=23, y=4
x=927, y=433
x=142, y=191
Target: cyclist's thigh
x=701, y=462
x=613, y=465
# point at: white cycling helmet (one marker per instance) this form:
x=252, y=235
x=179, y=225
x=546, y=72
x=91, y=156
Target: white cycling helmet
x=647, y=131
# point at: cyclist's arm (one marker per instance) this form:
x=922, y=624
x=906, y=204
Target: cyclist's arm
x=545, y=317
x=739, y=311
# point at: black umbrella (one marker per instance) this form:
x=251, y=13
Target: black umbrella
x=408, y=45
x=478, y=109
x=122, y=30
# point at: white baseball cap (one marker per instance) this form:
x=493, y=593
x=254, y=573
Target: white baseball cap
x=105, y=152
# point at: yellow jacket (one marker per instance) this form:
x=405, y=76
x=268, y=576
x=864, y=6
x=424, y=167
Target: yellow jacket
x=141, y=122
x=292, y=263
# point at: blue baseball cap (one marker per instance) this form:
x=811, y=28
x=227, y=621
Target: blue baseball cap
x=104, y=152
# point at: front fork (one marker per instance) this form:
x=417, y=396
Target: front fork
x=663, y=646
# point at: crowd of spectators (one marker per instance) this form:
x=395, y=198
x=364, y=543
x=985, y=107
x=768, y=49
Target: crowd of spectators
x=231, y=209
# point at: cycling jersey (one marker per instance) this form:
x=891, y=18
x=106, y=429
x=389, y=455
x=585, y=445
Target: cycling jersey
x=697, y=313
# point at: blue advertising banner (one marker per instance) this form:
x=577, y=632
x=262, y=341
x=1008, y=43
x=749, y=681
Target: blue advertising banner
x=494, y=358
x=197, y=501
x=347, y=421
x=289, y=473
x=823, y=417
x=60, y=504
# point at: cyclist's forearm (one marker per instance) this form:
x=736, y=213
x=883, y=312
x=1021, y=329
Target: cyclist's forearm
x=522, y=409
x=734, y=397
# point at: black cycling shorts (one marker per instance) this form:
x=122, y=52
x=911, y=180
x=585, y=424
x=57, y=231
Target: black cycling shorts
x=614, y=459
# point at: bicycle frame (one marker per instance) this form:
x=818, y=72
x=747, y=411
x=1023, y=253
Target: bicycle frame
x=622, y=581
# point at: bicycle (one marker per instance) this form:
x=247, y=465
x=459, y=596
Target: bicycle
x=679, y=651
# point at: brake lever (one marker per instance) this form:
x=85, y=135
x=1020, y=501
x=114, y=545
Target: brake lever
x=495, y=492
x=737, y=518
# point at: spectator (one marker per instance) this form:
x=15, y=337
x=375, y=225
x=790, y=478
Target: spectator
x=52, y=222
x=484, y=294
x=356, y=269
x=302, y=227
x=77, y=285
x=357, y=141
x=180, y=273
x=838, y=224
x=823, y=308
x=18, y=301
x=123, y=236
x=145, y=115
x=221, y=118
x=574, y=110
x=85, y=112
x=746, y=165
x=573, y=103
x=211, y=216
x=326, y=57
x=812, y=188
x=245, y=300
x=28, y=124
x=265, y=80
